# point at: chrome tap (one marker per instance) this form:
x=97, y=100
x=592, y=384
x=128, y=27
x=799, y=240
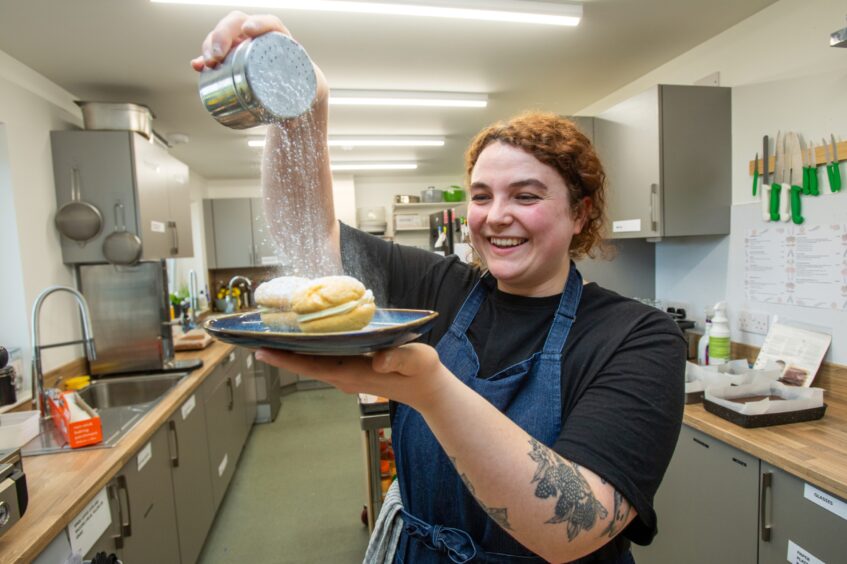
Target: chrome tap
x=39, y=400
x=194, y=302
x=248, y=298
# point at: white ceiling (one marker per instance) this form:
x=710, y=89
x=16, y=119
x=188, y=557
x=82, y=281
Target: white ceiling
x=135, y=51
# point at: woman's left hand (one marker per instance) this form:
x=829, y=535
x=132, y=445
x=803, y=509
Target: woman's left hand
x=411, y=374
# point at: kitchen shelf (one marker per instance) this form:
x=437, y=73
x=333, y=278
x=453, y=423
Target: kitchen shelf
x=428, y=205
x=400, y=229
x=820, y=158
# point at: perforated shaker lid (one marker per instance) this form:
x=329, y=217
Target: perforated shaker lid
x=281, y=76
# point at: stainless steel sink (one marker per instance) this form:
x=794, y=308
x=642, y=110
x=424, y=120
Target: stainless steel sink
x=129, y=390
x=121, y=404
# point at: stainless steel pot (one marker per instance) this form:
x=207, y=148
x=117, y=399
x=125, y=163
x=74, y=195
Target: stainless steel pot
x=76, y=219
x=121, y=247
x=406, y=199
x=269, y=78
x=117, y=116
x=431, y=195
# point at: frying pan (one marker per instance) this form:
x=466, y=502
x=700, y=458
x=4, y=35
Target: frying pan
x=121, y=247
x=78, y=220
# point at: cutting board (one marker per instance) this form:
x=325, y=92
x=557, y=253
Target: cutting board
x=194, y=340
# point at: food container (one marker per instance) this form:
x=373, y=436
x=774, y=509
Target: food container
x=407, y=221
x=764, y=403
x=455, y=194
x=117, y=116
x=266, y=79
x=18, y=428
x=432, y=195
x=406, y=199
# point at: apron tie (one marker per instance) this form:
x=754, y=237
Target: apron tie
x=456, y=543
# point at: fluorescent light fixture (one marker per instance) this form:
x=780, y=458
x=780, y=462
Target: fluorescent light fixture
x=350, y=141
x=372, y=166
x=406, y=98
x=511, y=11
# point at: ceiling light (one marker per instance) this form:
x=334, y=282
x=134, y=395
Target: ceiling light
x=406, y=98
x=512, y=11
x=349, y=142
x=372, y=166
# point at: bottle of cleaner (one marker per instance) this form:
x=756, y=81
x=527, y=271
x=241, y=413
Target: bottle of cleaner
x=719, y=336
x=703, y=344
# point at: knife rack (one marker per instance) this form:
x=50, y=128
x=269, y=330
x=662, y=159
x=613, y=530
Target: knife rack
x=820, y=158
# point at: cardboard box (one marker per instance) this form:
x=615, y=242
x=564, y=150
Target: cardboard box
x=79, y=430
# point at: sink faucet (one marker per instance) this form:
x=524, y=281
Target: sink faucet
x=39, y=400
x=249, y=295
x=194, y=302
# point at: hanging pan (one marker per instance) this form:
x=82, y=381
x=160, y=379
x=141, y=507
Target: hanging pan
x=76, y=219
x=121, y=247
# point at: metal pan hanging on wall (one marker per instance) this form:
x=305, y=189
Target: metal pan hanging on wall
x=78, y=220
x=121, y=247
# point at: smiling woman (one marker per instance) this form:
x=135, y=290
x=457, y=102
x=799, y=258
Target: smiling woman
x=536, y=419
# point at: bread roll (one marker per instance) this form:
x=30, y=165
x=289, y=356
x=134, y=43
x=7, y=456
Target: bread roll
x=274, y=300
x=333, y=304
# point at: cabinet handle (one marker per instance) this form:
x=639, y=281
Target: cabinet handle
x=654, y=196
x=174, y=237
x=765, y=528
x=175, y=458
x=126, y=527
x=119, y=538
x=699, y=442
x=231, y=393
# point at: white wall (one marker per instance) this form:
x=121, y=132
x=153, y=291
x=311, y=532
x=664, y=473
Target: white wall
x=784, y=77
x=30, y=253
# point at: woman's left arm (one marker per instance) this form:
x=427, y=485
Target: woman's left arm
x=555, y=508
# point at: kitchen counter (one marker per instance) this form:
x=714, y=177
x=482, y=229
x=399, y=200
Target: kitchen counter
x=61, y=485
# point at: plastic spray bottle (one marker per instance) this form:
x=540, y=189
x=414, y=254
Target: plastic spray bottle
x=703, y=344
x=719, y=336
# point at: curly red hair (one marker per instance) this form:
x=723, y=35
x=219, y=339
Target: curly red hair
x=557, y=142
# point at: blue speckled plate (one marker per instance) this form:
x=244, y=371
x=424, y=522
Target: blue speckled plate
x=388, y=328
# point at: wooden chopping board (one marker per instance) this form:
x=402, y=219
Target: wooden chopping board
x=194, y=340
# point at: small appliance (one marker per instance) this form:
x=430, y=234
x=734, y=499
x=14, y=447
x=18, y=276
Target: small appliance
x=13, y=493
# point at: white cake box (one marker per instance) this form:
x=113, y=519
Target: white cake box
x=17, y=429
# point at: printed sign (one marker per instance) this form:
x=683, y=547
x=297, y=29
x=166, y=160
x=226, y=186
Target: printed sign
x=157, y=227
x=222, y=465
x=796, y=555
x=144, y=456
x=188, y=406
x=269, y=261
x=238, y=379
x=825, y=500
x=90, y=524
x=626, y=226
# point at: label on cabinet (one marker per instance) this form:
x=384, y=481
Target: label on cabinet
x=144, y=456
x=796, y=555
x=626, y=226
x=188, y=407
x=238, y=379
x=249, y=361
x=157, y=227
x=825, y=500
x=222, y=465
x=90, y=524
x=268, y=261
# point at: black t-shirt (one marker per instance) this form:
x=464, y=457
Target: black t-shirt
x=622, y=371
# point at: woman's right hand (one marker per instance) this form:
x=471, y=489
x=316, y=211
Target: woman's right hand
x=235, y=28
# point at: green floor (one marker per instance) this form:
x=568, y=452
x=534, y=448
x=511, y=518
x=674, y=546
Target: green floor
x=298, y=492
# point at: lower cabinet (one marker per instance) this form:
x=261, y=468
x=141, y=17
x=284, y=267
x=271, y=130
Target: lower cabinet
x=192, y=479
x=145, y=505
x=720, y=504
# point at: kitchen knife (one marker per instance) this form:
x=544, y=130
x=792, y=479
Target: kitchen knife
x=785, y=183
x=766, y=176
x=794, y=179
x=813, y=170
x=832, y=168
x=755, y=174
x=807, y=173
x=771, y=194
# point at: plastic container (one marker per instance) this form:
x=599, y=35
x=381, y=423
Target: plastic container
x=703, y=344
x=17, y=429
x=719, y=336
x=432, y=195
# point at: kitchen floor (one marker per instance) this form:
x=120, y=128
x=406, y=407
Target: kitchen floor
x=299, y=490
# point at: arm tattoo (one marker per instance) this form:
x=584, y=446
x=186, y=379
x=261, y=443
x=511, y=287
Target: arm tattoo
x=577, y=505
x=498, y=514
x=622, y=510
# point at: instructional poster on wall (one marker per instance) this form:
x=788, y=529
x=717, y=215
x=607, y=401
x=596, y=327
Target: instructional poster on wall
x=797, y=265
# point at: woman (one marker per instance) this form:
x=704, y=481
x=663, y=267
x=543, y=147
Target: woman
x=535, y=421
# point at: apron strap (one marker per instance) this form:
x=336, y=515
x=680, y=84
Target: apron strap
x=456, y=543
x=565, y=314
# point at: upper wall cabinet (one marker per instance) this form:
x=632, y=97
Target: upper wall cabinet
x=134, y=184
x=668, y=154
x=237, y=234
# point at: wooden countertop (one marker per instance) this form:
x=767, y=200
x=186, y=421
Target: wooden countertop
x=61, y=485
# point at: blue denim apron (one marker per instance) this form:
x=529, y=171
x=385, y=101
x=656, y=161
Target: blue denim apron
x=442, y=520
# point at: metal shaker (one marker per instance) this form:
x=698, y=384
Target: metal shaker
x=266, y=79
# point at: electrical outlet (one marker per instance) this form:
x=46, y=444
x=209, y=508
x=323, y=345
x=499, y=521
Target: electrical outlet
x=753, y=322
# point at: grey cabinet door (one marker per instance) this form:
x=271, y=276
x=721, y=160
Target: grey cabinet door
x=209, y=235
x=106, y=542
x=219, y=399
x=179, y=206
x=627, y=141
x=146, y=504
x=706, y=506
x=800, y=529
x=238, y=377
x=154, y=215
x=233, y=232
x=192, y=479
x=266, y=252
x=251, y=393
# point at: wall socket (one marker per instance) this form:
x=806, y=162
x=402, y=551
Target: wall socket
x=753, y=322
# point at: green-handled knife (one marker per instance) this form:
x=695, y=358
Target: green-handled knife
x=832, y=168
x=813, y=170
x=756, y=173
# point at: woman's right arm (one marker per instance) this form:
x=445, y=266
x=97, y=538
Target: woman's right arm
x=296, y=177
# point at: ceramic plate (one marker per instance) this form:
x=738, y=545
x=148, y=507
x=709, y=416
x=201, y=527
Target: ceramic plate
x=388, y=328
